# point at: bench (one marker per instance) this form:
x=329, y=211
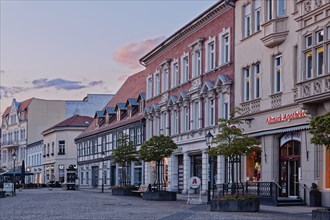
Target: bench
x=140, y=190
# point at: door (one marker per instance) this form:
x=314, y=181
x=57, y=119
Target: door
x=113, y=176
x=289, y=169
x=95, y=176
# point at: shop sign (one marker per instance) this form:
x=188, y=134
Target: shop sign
x=194, y=182
x=286, y=117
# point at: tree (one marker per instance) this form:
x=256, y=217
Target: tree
x=232, y=144
x=320, y=130
x=156, y=149
x=124, y=154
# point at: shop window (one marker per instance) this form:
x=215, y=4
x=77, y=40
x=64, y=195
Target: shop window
x=253, y=165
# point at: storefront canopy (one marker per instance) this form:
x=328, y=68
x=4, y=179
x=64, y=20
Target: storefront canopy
x=17, y=172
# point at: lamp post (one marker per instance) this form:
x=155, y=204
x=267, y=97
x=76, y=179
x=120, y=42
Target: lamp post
x=102, y=155
x=14, y=157
x=208, y=139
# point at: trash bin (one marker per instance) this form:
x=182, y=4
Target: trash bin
x=315, y=196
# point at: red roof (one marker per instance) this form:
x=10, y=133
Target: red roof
x=131, y=88
x=22, y=106
x=74, y=121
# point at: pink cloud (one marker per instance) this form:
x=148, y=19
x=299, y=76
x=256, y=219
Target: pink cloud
x=129, y=54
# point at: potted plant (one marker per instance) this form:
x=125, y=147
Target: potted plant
x=124, y=154
x=232, y=144
x=156, y=149
x=320, y=131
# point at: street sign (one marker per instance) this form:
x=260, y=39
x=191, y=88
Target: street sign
x=194, y=182
x=8, y=188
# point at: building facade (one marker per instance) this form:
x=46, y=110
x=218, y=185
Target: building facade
x=274, y=87
x=189, y=86
x=123, y=115
x=59, y=149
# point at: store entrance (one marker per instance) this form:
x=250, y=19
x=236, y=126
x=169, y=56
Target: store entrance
x=290, y=169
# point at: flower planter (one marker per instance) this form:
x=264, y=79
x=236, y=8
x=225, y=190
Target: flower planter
x=160, y=196
x=245, y=205
x=122, y=192
x=321, y=214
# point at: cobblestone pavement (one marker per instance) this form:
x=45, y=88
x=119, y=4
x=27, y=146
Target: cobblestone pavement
x=92, y=204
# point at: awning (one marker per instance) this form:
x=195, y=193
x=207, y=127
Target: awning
x=17, y=172
x=280, y=130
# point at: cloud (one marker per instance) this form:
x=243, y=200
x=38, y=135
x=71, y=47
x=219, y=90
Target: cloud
x=6, y=92
x=129, y=54
x=57, y=84
x=95, y=83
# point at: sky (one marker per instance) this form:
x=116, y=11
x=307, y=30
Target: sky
x=64, y=50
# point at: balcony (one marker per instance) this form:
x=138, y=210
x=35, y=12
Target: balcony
x=10, y=144
x=313, y=91
x=275, y=32
x=250, y=107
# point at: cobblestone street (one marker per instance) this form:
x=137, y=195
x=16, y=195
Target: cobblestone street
x=91, y=204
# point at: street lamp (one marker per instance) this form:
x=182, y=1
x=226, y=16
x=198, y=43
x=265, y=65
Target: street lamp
x=14, y=157
x=102, y=155
x=209, y=138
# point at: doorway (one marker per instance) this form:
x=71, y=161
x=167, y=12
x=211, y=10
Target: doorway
x=290, y=169
x=95, y=176
x=113, y=176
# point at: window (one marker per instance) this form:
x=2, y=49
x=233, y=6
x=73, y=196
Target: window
x=269, y=10
x=319, y=61
x=257, y=80
x=48, y=150
x=277, y=73
x=257, y=6
x=61, y=147
x=53, y=148
x=197, y=63
x=114, y=141
x=163, y=123
x=308, y=41
x=196, y=114
x=157, y=84
x=132, y=136
x=328, y=33
x=149, y=88
x=22, y=133
x=281, y=7
x=175, y=74
x=16, y=135
x=225, y=49
x=141, y=106
x=45, y=152
x=247, y=20
x=309, y=64
x=138, y=136
x=185, y=117
x=246, y=77
x=185, y=69
x=225, y=111
x=211, y=112
x=175, y=122
x=165, y=78
x=156, y=125
x=210, y=57
x=319, y=37
x=118, y=114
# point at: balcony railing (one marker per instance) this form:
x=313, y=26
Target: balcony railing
x=313, y=90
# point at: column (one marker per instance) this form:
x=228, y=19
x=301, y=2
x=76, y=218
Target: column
x=147, y=173
x=186, y=172
x=173, y=173
x=200, y=112
x=205, y=171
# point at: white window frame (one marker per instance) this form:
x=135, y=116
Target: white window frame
x=185, y=114
x=225, y=114
x=185, y=68
x=318, y=34
x=308, y=55
x=197, y=62
x=175, y=122
x=318, y=71
x=281, y=12
x=246, y=20
x=224, y=47
x=210, y=54
x=257, y=80
x=247, y=84
x=175, y=73
x=269, y=9
x=149, y=87
x=307, y=45
x=165, y=79
x=196, y=114
x=211, y=115
x=257, y=15
x=278, y=74
x=157, y=84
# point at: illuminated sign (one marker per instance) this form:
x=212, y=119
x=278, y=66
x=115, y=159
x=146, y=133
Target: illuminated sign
x=286, y=117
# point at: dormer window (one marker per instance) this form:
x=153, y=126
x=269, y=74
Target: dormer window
x=141, y=106
x=129, y=111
